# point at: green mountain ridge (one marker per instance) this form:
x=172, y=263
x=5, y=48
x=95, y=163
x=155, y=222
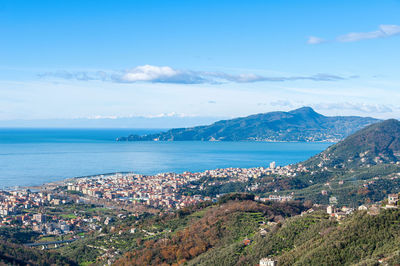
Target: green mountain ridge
x=376, y=144
x=303, y=124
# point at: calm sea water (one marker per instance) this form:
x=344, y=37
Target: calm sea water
x=36, y=156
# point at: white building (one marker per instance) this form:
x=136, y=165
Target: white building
x=268, y=262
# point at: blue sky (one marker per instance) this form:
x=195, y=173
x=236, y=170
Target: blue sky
x=91, y=59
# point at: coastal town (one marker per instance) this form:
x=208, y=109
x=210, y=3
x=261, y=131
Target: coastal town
x=51, y=210
x=136, y=193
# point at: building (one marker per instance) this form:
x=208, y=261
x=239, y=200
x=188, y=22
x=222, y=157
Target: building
x=49, y=197
x=393, y=198
x=330, y=209
x=40, y=218
x=272, y=165
x=268, y=262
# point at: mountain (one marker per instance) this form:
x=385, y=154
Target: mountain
x=375, y=144
x=302, y=124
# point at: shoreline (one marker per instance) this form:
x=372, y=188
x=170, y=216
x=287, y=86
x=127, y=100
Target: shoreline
x=104, y=175
x=64, y=181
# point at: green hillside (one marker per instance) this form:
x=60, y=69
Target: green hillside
x=13, y=254
x=376, y=144
x=314, y=239
x=215, y=227
x=243, y=232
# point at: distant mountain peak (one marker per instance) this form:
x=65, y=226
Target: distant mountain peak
x=306, y=112
x=304, y=109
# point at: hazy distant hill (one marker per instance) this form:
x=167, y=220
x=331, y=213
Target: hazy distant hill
x=302, y=124
x=377, y=143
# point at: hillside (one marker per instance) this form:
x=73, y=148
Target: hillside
x=302, y=124
x=314, y=239
x=207, y=229
x=13, y=254
x=376, y=144
x=243, y=232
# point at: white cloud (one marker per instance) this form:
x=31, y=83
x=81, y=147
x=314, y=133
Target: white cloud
x=148, y=73
x=159, y=74
x=390, y=30
x=384, y=31
x=315, y=40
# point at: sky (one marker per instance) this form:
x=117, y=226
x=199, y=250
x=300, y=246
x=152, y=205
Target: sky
x=190, y=59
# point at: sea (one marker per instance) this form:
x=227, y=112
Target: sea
x=30, y=157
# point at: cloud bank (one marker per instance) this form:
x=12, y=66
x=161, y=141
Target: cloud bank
x=166, y=74
x=365, y=108
x=383, y=31
x=360, y=107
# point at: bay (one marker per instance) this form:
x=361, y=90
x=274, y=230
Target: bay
x=36, y=156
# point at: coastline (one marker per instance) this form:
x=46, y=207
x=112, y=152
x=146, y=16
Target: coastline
x=65, y=181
